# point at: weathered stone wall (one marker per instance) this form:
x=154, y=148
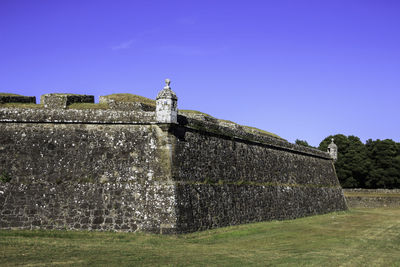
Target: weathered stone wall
x=372, y=198
x=92, y=206
x=226, y=180
x=122, y=170
x=84, y=176
x=96, y=116
x=128, y=106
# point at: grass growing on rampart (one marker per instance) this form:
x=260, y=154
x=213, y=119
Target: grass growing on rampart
x=131, y=98
x=254, y=129
x=8, y=94
x=248, y=129
x=126, y=97
x=88, y=106
x=360, y=237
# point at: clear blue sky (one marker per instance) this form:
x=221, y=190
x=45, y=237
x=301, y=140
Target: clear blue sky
x=301, y=69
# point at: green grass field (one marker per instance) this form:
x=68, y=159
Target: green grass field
x=359, y=237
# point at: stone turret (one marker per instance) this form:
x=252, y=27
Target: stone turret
x=332, y=150
x=166, y=105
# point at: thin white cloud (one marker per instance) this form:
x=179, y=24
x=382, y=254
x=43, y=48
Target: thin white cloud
x=191, y=50
x=186, y=20
x=123, y=45
x=182, y=50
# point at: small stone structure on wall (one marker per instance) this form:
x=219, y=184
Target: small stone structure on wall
x=73, y=164
x=332, y=150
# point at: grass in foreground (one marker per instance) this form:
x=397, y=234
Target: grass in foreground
x=360, y=237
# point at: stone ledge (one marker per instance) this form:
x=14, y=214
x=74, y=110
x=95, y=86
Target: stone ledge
x=238, y=133
x=147, y=117
x=75, y=116
x=127, y=106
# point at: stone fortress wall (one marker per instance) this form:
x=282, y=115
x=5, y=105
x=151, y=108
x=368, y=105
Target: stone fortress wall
x=135, y=166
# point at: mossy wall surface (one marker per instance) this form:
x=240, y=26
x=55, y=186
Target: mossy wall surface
x=204, y=206
x=121, y=170
x=226, y=181
x=84, y=176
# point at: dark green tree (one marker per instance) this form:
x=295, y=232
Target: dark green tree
x=302, y=143
x=352, y=165
x=384, y=171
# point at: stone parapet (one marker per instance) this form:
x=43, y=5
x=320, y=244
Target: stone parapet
x=57, y=101
x=17, y=99
x=75, y=116
x=101, y=116
x=234, y=131
x=127, y=106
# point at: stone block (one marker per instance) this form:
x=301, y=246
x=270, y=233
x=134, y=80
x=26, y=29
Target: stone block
x=98, y=220
x=36, y=223
x=109, y=220
x=127, y=106
x=62, y=101
x=17, y=99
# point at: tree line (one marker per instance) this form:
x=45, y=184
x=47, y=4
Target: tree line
x=375, y=164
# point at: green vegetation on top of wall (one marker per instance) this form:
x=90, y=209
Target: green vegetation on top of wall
x=227, y=121
x=125, y=97
x=88, y=106
x=248, y=129
x=8, y=94
x=261, y=131
x=196, y=112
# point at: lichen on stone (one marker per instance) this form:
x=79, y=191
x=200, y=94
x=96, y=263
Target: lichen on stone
x=125, y=97
x=88, y=106
x=21, y=105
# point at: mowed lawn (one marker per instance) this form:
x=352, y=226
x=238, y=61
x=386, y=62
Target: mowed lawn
x=359, y=237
